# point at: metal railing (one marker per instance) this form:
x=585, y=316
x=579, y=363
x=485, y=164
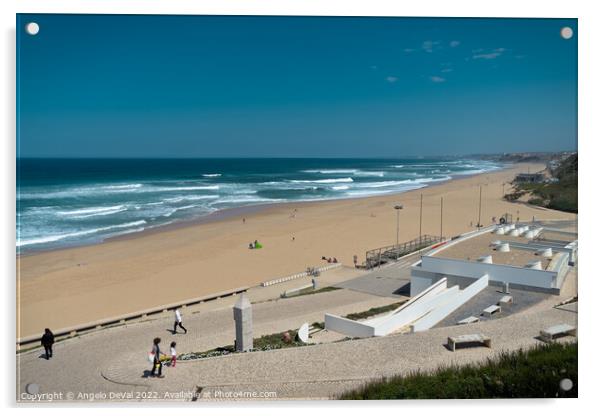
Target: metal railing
x=382, y=255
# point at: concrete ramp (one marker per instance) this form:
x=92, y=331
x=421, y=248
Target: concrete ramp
x=445, y=308
x=421, y=312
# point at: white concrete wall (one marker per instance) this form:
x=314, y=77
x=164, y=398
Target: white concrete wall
x=419, y=284
x=442, y=311
x=560, y=264
x=347, y=326
x=462, y=237
x=496, y=272
x=400, y=317
x=411, y=314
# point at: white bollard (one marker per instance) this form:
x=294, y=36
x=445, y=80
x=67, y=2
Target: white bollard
x=243, y=319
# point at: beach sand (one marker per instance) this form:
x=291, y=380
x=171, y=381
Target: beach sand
x=62, y=288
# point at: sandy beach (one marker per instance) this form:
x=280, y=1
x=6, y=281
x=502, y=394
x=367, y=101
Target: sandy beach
x=66, y=287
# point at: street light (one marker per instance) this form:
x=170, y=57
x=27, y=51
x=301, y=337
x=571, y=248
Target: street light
x=398, y=208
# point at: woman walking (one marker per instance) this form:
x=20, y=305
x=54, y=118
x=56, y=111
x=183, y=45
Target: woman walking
x=47, y=341
x=157, y=365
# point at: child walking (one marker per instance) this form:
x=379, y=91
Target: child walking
x=173, y=354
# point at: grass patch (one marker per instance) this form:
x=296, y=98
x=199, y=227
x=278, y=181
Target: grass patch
x=533, y=373
x=318, y=325
x=263, y=343
x=374, y=311
x=560, y=195
x=275, y=341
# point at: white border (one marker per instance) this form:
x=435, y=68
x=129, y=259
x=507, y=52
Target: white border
x=590, y=150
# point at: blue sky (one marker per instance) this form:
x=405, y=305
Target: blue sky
x=211, y=86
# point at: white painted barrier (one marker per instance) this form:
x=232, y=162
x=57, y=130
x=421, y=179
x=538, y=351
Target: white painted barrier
x=497, y=272
x=347, y=326
x=299, y=275
x=442, y=311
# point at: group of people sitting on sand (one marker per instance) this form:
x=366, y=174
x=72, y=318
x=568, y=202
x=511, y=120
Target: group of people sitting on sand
x=330, y=259
x=255, y=244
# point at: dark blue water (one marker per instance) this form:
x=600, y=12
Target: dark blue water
x=66, y=202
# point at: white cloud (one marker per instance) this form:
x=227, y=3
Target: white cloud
x=491, y=54
x=408, y=50
x=437, y=79
x=391, y=79
x=447, y=70
x=454, y=43
x=429, y=45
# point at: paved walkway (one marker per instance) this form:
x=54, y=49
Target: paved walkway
x=392, y=280
x=78, y=362
x=114, y=361
x=326, y=370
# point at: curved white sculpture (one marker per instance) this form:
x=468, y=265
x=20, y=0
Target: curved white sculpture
x=536, y=265
x=545, y=252
x=503, y=248
x=303, y=333
x=486, y=259
x=514, y=233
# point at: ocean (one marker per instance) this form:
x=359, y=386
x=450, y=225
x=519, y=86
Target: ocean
x=70, y=202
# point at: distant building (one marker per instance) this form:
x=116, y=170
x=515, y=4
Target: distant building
x=530, y=178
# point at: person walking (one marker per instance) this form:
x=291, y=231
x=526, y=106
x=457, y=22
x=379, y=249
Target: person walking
x=157, y=365
x=172, y=351
x=178, y=322
x=47, y=341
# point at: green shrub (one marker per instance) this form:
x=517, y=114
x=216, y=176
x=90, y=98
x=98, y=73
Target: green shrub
x=560, y=195
x=533, y=373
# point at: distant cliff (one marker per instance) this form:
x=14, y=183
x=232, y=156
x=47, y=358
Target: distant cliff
x=559, y=192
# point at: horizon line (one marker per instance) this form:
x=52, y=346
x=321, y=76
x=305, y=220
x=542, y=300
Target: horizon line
x=297, y=157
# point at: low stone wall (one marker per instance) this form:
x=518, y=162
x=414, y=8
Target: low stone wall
x=74, y=330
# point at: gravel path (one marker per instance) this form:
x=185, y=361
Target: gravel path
x=310, y=372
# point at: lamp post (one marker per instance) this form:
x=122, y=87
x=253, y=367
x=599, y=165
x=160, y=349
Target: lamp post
x=480, y=193
x=398, y=208
x=441, y=229
x=420, y=229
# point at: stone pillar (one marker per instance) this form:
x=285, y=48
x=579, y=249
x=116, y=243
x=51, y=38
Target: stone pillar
x=243, y=318
x=506, y=287
x=314, y=283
